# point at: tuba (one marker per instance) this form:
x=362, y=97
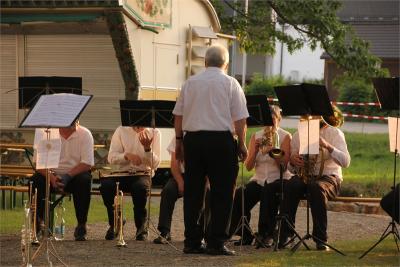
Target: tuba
x=270, y=138
x=119, y=217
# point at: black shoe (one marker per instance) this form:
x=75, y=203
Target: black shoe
x=163, y=238
x=80, y=233
x=264, y=242
x=247, y=241
x=321, y=246
x=110, y=235
x=195, y=250
x=220, y=251
x=141, y=236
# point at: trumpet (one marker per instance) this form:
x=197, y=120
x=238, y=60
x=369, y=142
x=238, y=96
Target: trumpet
x=119, y=217
x=33, y=208
x=270, y=138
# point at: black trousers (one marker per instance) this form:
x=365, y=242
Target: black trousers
x=319, y=191
x=252, y=195
x=270, y=201
x=79, y=186
x=211, y=154
x=169, y=196
x=390, y=203
x=138, y=187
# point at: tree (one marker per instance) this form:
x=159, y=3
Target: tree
x=315, y=21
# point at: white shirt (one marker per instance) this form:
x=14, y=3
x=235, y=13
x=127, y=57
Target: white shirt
x=211, y=101
x=335, y=161
x=265, y=166
x=78, y=148
x=126, y=140
x=171, y=149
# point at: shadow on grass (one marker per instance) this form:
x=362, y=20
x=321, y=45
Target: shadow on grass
x=385, y=254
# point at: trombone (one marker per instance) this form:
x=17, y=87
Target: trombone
x=119, y=217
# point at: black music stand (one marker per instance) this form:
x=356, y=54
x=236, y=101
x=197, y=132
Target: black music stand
x=260, y=115
x=388, y=93
x=305, y=100
x=148, y=113
x=61, y=115
x=31, y=88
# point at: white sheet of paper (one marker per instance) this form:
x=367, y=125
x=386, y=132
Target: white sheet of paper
x=309, y=134
x=392, y=123
x=57, y=110
x=40, y=134
x=48, y=154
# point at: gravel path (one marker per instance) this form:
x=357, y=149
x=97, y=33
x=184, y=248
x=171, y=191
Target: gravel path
x=98, y=252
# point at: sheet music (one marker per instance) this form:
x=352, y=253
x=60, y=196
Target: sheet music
x=48, y=154
x=57, y=110
x=310, y=137
x=392, y=124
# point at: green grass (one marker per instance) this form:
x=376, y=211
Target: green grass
x=12, y=220
x=385, y=254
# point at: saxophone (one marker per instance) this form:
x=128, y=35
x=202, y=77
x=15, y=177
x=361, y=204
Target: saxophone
x=119, y=217
x=270, y=138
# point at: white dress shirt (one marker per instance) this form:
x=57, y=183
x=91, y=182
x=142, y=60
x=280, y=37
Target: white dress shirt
x=126, y=140
x=78, y=148
x=335, y=161
x=211, y=101
x=265, y=166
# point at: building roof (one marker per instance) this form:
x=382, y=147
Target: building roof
x=367, y=11
x=376, y=22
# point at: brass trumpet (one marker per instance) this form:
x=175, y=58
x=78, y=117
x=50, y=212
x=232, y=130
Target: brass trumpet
x=33, y=208
x=270, y=138
x=119, y=217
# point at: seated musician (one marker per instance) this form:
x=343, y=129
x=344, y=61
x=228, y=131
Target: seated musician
x=325, y=176
x=136, y=151
x=72, y=175
x=264, y=184
x=172, y=191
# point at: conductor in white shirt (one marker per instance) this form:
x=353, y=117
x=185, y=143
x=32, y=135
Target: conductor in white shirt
x=210, y=108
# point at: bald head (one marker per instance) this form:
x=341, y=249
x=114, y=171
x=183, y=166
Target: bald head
x=217, y=56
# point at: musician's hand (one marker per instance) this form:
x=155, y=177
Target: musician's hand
x=324, y=144
x=242, y=151
x=296, y=160
x=179, y=150
x=56, y=182
x=145, y=139
x=135, y=159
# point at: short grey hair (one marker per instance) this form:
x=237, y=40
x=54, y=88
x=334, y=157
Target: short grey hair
x=216, y=56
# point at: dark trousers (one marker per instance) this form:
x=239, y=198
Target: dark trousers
x=390, y=203
x=169, y=196
x=211, y=154
x=79, y=186
x=138, y=187
x=270, y=201
x=319, y=191
x=252, y=195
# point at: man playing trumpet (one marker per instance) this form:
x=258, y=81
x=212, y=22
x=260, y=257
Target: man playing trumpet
x=324, y=177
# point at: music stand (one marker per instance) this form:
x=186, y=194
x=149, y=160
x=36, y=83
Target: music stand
x=305, y=100
x=388, y=93
x=32, y=87
x=259, y=115
x=65, y=110
x=152, y=114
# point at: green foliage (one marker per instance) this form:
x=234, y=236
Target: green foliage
x=261, y=85
x=315, y=21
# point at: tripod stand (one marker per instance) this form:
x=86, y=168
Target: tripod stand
x=388, y=93
x=391, y=228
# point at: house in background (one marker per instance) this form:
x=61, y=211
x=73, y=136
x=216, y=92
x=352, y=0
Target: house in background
x=121, y=49
x=376, y=22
